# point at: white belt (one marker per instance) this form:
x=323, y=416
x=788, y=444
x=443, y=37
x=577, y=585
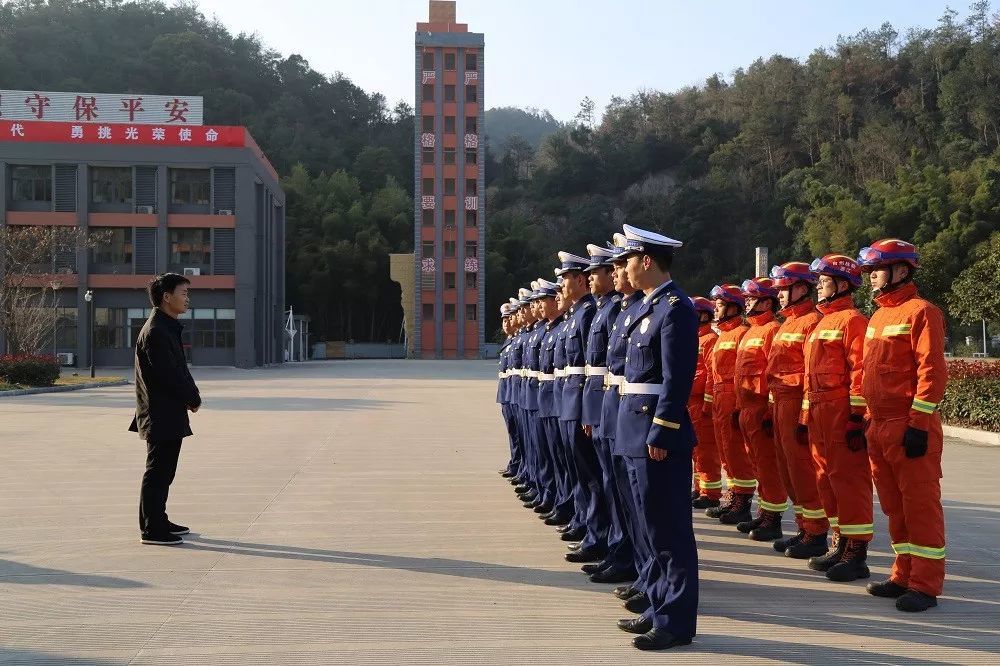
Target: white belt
x=522, y=373
x=533, y=374
x=542, y=377
x=596, y=371
x=501, y=375
x=559, y=373
x=612, y=379
x=576, y=370
x=628, y=388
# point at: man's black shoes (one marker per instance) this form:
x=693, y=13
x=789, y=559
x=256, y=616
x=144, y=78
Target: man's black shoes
x=586, y=555
x=176, y=529
x=161, y=539
x=636, y=625
x=659, y=639
x=612, y=576
x=637, y=604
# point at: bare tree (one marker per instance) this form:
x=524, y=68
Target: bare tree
x=36, y=262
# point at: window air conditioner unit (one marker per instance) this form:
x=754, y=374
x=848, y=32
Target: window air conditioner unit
x=144, y=210
x=225, y=211
x=192, y=271
x=66, y=359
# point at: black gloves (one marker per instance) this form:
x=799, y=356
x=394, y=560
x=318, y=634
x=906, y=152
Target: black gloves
x=915, y=442
x=802, y=434
x=856, y=433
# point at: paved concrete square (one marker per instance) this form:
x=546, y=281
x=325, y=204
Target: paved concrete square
x=350, y=513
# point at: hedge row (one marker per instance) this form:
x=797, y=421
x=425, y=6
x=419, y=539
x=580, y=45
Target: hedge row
x=973, y=395
x=27, y=370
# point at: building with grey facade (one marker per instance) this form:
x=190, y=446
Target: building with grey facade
x=198, y=200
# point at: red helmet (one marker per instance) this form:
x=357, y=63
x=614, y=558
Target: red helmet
x=759, y=287
x=702, y=304
x=786, y=275
x=729, y=293
x=886, y=252
x=838, y=265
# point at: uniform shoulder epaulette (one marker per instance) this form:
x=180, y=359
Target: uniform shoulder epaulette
x=585, y=306
x=616, y=298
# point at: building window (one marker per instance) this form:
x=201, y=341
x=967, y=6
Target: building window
x=191, y=248
x=449, y=124
x=449, y=312
x=471, y=61
x=428, y=155
x=428, y=311
x=470, y=94
x=470, y=248
x=66, y=323
x=449, y=186
x=427, y=249
x=449, y=248
x=470, y=218
x=213, y=328
x=449, y=92
x=470, y=312
x=470, y=125
x=190, y=186
x=428, y=218
x=471, y=187
x=449, y=155
x=428, y=92
x=110, y=329
x=111, y=185
x=116, y=248
x=428, y=59
x=449, y=62
x=449, y=219
x=449, y=280
x=428, y=186
x=428, y=123
x=470, y=156
x=470, y=280
x=31, y=183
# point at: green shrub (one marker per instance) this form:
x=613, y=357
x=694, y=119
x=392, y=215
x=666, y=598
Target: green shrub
x=973, y=395
x=29, y=370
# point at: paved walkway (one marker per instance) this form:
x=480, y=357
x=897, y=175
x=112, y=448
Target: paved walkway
x=350, y=513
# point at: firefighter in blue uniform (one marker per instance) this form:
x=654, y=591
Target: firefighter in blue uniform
x=618, y=565
x=544, y=473
x=576, y=529
x=510, y=470
x=655, y=432
x=582, y=310
x=548, y=407
x=525, y=488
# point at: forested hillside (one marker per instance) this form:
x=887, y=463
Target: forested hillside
x=880, y=134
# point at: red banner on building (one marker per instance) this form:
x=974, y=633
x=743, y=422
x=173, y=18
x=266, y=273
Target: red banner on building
x=123, y=134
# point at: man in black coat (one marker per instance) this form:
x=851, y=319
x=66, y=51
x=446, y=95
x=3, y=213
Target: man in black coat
x=164, y=393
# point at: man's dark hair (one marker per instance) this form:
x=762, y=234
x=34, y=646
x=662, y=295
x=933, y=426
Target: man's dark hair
x=164, y=284
x=662, y=256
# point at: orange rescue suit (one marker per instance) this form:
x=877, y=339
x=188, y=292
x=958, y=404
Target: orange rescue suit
x=833, y=393
x=735, y=459
x=905, y=377
x=707, y=465
x=786, y=367
x=751, y=400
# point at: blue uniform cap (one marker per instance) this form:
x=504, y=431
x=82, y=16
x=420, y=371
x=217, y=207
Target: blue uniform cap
x=600, y=257
x=639, y=240
x=571, y=262
x=547, y=289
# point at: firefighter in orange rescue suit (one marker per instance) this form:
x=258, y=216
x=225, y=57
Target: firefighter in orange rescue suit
x=786, y=381
x=735, y=506
x=707, y=464
x=834, y=412
x=905, y=377
x=755, y=418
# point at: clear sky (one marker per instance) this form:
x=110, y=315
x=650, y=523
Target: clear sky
x=549, y=54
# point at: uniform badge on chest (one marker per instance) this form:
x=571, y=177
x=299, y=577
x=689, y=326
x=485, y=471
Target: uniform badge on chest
x=572, y=324
x=628, y=320
x=644, y=326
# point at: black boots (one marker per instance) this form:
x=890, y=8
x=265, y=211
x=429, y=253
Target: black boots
x=738, y=511
x=886, y=589
x=908, y=601
x=852, y=563
x=705, y=502
x=769, y=528
x=810, y=545
x=721, y=507
x=824, y=562
x=781, y=545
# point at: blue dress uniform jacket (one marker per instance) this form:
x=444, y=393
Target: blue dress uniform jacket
x=546, y=365
x=516, y=350
x=617, y=346
x=662, y=349
x=596, y=357
x=580, y=315
x=502, y=382
x=559, y=356
x=530, y=356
